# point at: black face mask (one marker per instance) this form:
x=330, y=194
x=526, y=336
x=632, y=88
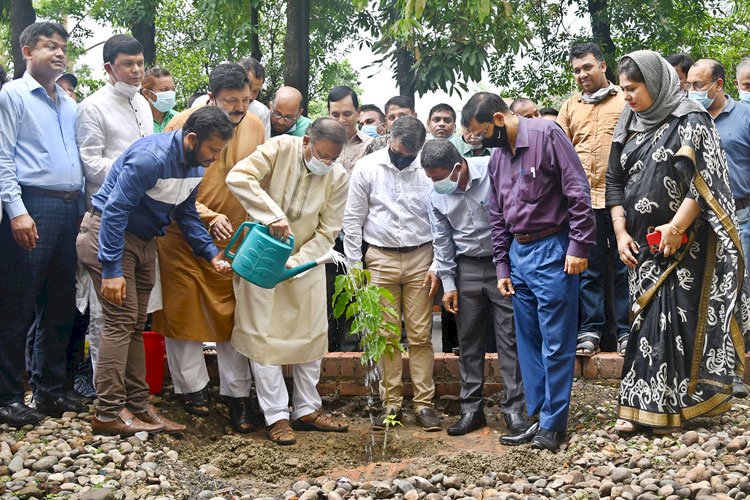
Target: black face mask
x=500, y=140
x=400, y=161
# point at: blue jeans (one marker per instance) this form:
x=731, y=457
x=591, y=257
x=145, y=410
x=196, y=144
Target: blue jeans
x=593, y=282
x=41, y=279
x=743, y=224
x=545, y=308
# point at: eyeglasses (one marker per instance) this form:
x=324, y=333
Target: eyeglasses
x=286, y=118
x=699, y=85
x=483, y=133
x=315, y=154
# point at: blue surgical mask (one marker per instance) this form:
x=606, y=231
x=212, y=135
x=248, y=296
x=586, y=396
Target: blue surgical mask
x=745, y=96
x=371, y=130
x=447, y=185
x=165, y=101
x=701, y=97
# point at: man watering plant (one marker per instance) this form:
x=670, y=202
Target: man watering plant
x=293, y=186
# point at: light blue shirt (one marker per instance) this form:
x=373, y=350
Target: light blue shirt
x=37, y=142
x=460, y=222
x=733, y=124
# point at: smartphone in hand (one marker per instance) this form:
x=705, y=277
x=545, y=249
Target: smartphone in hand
x=654, y=240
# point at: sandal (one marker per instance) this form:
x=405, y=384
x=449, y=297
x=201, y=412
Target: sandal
x=319, y=421
x=588, y=345
x=281, y=433
x=665, y=431
x=622, y=345
x=625, y=426
x=240, y=414
x=196, y=403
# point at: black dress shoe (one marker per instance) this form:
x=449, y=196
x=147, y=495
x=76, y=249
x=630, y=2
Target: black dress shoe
x=469, y=422
x=516, y=423
x=240, y=413
x=379, y=422
x=521, y=437
x=547, y=440
x=428, y=420
x=18, y=415
x=55, y=407
x=739, y=388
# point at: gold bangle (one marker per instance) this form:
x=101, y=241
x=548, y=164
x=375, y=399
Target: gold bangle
x=618, y=218
x=675, y=230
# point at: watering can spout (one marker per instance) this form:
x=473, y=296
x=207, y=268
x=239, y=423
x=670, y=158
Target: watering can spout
x=290, y=273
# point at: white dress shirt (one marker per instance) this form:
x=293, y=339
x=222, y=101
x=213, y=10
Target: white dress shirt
x=107, y=123
x=387, y=207
x=262, y=112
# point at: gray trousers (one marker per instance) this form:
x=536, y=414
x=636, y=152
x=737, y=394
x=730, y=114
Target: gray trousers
x=479, y=301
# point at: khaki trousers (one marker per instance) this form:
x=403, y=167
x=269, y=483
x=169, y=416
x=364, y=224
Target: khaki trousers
x=120, y=378
x=403, y=275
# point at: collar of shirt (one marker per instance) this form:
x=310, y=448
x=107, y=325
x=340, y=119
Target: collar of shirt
x=731, y=103
x=35, y=87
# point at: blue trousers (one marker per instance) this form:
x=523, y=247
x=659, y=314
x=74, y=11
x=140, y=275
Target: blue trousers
x=41, y=279
x=592, y=282
x=545, y=308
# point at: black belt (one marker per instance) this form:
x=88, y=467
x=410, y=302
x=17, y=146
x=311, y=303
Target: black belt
x=487, y=258
x=401, y=249
x=742, y=203
x=529, y=237
x=68, y=196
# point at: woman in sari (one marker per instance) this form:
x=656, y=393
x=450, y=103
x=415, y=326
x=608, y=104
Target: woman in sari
x=690, y=306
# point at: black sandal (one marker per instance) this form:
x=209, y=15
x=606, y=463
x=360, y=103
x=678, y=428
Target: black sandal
x=196, y=403
x=240, y=413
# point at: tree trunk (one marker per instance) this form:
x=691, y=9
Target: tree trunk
x=254, y=38
x=404, y=75
x=143, y=29
x=600, y=27
x=297, y=47
x=22, y=14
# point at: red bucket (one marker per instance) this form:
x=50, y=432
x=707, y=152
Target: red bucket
x=154, y=345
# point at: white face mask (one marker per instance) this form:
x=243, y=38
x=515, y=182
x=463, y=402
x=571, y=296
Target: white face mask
x=123, y=88
x=447, y=185
x=315, y=165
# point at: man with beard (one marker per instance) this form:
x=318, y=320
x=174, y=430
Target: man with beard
x=154, y=180
x=198, y=304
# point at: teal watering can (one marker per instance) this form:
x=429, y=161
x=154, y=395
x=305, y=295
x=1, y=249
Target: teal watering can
x=261, y=258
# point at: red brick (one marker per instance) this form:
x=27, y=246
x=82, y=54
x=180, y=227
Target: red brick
x=490, y=389
x=346, y=366
x=447, y=388
x=605, y=365
x=438, y=369
x=451, y=366
x=327, y=389
x=578, y=368
x=329, y=368
x=353, y=389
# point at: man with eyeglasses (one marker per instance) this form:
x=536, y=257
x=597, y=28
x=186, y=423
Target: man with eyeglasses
x=197, y=303
x=705, y=84
x=542, y=228
x=293, y=186
x=286, y=113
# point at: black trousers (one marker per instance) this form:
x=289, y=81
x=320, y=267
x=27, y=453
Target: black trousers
x=42, y=279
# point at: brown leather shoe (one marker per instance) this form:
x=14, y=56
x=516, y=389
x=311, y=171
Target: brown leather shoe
x=125, y=424
x=152, y=416
x=281, y=432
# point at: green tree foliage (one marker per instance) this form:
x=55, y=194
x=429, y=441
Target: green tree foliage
x=524, y=43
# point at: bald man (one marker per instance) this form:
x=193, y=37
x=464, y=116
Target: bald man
x=286, y=113
x=525, y=107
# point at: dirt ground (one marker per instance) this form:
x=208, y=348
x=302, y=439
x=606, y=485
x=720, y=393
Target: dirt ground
x=250, y=461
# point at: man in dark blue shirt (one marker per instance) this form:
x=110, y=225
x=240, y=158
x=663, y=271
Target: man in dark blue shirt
x=154, y=180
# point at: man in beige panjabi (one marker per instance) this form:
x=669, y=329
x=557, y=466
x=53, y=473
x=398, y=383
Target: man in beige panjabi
x=293, y=185
x=198, y=303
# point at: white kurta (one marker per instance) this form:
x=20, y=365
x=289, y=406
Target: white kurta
x=287, y=324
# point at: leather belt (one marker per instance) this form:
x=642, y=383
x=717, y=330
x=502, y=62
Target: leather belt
x=742, y=203
x=67, y=196
x=529, y=237
x=401, y=249
x=487, y=258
